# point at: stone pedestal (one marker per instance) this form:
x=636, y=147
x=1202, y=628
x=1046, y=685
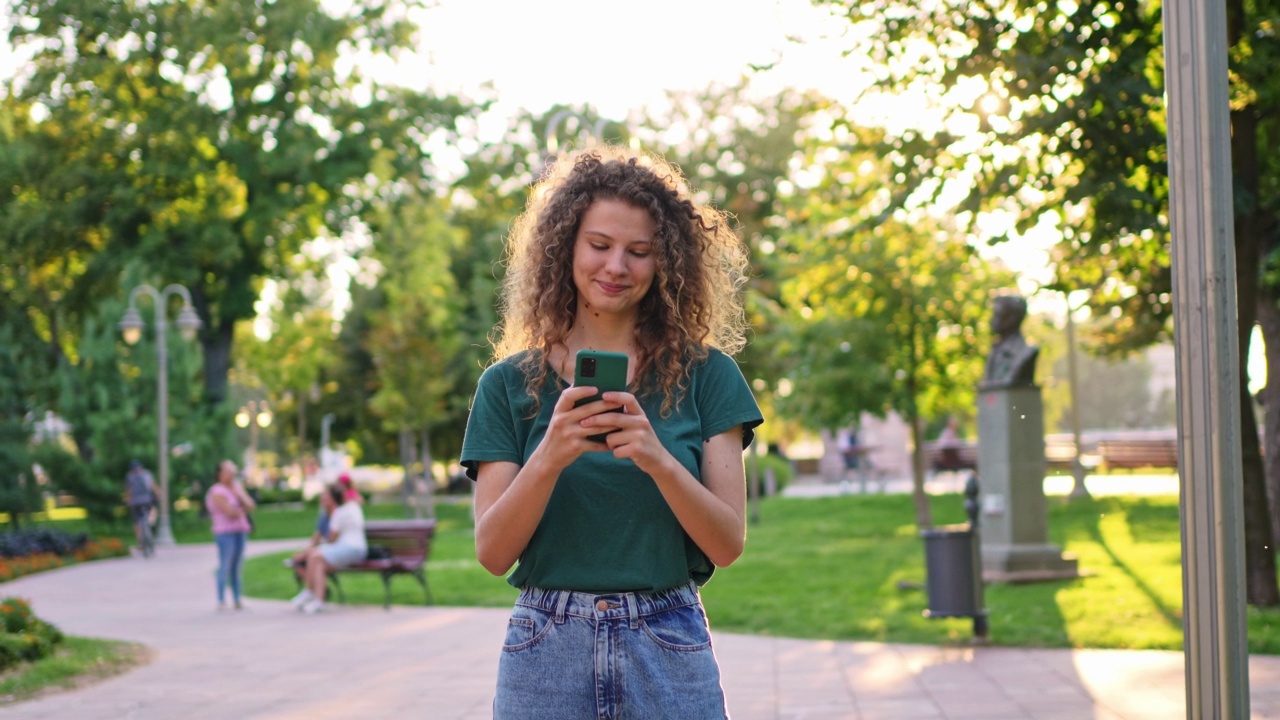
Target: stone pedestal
x=1011, y=468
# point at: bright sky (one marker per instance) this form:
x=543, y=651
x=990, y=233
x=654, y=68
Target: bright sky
x=616, y=56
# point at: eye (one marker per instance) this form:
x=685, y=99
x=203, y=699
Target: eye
x=640, y=253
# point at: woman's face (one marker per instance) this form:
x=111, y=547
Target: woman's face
x=226, y=472
x=613, y=258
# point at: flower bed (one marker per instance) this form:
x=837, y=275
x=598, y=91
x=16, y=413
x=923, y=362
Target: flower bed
x=23, y=636
x=23, y=552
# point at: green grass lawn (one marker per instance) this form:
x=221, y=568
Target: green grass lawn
x=76, y=662
x=835, y=568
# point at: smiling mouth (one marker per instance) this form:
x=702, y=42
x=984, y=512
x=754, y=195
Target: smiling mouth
x=612, y=287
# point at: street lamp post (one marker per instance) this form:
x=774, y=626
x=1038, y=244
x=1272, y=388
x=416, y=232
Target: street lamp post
x=131, y=328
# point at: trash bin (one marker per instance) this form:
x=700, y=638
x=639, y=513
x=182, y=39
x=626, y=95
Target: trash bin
x=953, y=574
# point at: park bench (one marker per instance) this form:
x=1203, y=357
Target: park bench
x=951, y=458
x=397, y=547
x=1139, y=453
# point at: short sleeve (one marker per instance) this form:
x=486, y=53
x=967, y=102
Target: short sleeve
x=491, y=433
x=724, y=398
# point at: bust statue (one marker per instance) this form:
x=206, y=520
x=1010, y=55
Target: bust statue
x=1012, y=362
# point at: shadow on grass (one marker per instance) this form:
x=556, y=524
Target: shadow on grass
x=1141, y=518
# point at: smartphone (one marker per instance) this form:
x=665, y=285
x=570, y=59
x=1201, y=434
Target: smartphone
x=606, y=371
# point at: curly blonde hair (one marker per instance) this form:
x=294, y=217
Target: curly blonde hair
x=695, y=302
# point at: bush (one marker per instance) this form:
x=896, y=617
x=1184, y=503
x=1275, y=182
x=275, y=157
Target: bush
x=38, y=540
x=32, y=550
x=23, y=636
x=781, y=467
x=267, y=496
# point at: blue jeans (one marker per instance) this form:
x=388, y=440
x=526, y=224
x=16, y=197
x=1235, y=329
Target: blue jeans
x=571, y=655
x=230, y=558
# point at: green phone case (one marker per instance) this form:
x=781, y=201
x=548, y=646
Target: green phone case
x=600, y=369
x=606, y=371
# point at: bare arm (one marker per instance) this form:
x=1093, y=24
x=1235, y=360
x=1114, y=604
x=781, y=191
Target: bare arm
x=245, y=501
x=225, y=507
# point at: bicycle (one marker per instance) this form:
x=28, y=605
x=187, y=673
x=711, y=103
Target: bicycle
x=142, y=523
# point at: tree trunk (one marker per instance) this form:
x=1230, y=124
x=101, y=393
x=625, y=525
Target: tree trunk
x=1269, y=321
x=428, y=503
x=217, y=362
x=408, y=454
x=302, y=422
x=1259, y=554
x=924, y=515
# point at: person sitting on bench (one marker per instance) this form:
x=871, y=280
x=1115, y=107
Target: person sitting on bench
x=345, y=546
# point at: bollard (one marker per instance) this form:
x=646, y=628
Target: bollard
x=953, y=567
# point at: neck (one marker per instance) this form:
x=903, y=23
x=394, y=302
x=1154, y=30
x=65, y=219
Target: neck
x=600, y=332
x=591, y=332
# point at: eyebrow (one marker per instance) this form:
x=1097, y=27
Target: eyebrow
x=600, y=233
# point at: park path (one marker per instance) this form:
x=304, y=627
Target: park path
x=269, y=661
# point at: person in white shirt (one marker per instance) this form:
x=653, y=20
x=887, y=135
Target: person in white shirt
x=345, y=546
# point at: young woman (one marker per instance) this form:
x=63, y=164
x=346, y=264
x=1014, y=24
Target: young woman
x=229, y=506
x=611, y=539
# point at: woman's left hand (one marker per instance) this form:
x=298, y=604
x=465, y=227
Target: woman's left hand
x=634, y=437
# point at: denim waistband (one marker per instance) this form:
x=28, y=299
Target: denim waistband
x=631, y=605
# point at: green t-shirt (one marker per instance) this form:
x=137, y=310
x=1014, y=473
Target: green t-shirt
x=606, y=527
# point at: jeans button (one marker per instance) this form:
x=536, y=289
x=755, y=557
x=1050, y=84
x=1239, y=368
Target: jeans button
x=602, y=605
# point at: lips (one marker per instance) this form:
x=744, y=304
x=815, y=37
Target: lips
x=612, y=288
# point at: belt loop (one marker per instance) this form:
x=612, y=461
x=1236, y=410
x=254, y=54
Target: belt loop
x=562, y=601
x=633, y=609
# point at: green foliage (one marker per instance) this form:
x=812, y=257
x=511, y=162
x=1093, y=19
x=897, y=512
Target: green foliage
x=1055, y=115
x=166, y=135
x=778, y=465
x=108, y=395
x=25, y=637
x=885, y=315
x=1064, y=115
x=269, y=496
x=98, y=494
x=738, y=148
x=19, y=380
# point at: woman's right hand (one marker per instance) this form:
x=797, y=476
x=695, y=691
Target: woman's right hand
x=566, y=438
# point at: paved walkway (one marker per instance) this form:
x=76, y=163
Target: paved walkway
x=269, y=661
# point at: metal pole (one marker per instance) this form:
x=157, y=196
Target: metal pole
x=164, y=533
x=1078, y=488
x=1203, y=265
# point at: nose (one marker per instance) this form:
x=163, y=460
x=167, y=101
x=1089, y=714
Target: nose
x=616, y=262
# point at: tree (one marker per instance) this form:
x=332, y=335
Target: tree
x=413, y=338
x=890, y=317
x=289, y=365
x=208, y=139
x=19, y=494
x=1065, y=105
